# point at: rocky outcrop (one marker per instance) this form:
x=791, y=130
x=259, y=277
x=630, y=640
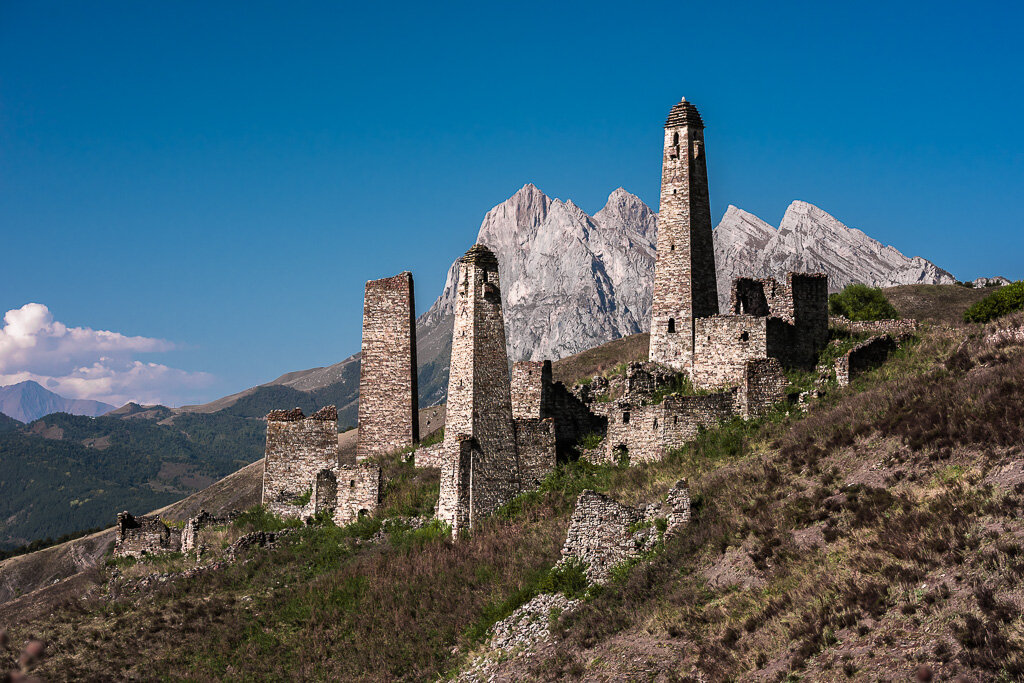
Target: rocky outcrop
x=569, y=281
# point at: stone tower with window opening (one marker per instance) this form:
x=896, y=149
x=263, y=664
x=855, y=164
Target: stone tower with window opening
x=685, y=285
x=480, y=462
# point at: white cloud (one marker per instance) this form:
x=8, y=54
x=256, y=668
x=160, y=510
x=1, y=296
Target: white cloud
x=79, y=362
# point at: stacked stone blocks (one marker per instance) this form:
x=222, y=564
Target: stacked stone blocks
x=388, y=393
x=479, y=428
x=298, y=448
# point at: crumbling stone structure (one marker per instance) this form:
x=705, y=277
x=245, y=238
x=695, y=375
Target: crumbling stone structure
x=303, y=460
x=604, y=533
x=297, y=449
x=480, y=468
x=141, y=536
x=897, y=329
x=647, y=433
x=863, y=357
x=202, y=520
x=388, y=393
x=535, y=396
x=347, y=492
x=685, y=282
x=768, y=320
x=535, y=442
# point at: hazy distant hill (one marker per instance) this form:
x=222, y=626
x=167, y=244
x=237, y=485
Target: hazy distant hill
x=27, y=401
x=63, y=473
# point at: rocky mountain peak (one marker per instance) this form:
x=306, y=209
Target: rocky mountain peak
x=571, y=281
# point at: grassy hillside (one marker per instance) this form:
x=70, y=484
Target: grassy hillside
x=878, y=533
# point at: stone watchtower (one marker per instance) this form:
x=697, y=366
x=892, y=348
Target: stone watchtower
x=388, y=395
x=480, y=464
x=685, y=285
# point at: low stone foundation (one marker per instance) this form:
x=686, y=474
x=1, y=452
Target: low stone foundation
x=897, y=329
x=428, y=456
x=141, y=536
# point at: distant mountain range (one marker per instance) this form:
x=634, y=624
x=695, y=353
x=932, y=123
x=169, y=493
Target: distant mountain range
x=27, y=401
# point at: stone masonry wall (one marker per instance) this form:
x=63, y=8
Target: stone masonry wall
x=723, y=343
x=388, y=394
x=809, y=294
x=140, y=536
x=202, y=520
x=479, y=397
x=535, y=441
x=599, y=533
x=863, y=357
x=603, y=532
x=648, y=433
x=428, y=456
x=897, y=329
x=359, y=490
x=763, y=385
x=297, y=449
x=685, y=284
x=531, y=389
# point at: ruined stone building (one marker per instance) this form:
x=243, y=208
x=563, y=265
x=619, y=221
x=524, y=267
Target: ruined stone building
x=536, y=396
x=480, y=468
x=140, y=536
x=303, y=473
x=788, y=322
x=388, y=395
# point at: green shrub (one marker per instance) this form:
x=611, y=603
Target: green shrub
x=1007, y=299
x=860, y=302
x=591, y=440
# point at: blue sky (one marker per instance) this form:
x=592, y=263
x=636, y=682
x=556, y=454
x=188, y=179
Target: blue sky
x=226, y=176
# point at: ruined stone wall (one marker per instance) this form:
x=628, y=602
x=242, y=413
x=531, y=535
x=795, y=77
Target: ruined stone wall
x=649, y=432
x=359, y=490
x=685, y=285
x=531, y=389
x=479, y=396
x=573, y=418
x=604, y=533
x=297, y=449
x=897, y=329
x=202, y=520
x=388, y=394
x=677, y=507
x=535, y=441
x=809, y=294
x=863, y=357
x=454, y=504
x=428, y=456
x=763, y=384
x=723, y=343
x=599, y=533
x=140, y=536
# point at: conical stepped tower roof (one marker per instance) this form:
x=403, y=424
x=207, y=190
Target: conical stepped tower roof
x=684, y=114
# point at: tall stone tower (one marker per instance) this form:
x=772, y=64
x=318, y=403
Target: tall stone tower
x=685, y=285
x=480, y=465
x=388, y=395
